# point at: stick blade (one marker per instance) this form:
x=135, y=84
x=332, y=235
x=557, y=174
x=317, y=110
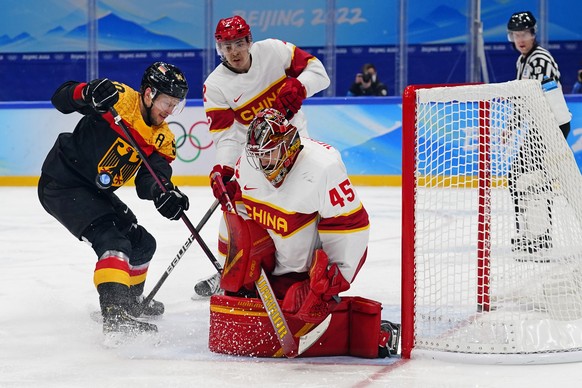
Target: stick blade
x=307, y=340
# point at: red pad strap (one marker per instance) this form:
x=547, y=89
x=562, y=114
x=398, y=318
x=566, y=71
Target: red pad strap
x=249, y=248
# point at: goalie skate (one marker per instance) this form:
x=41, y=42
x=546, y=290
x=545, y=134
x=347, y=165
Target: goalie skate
x=208, y=287
x=389, y=339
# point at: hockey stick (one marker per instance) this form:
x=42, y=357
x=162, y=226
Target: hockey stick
x=174, y=262
x=144, y=159
x=282, y=329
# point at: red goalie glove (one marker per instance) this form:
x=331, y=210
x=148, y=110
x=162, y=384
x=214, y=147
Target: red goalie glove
x=290, y=97
x=313, y=299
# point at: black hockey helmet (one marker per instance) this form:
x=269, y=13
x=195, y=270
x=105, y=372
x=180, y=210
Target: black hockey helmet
x=165, y=78
x=521, y=21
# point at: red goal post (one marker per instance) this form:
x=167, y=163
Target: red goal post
x=491, y=227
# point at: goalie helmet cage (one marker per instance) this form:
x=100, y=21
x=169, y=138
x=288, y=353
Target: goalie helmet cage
x=489, y=275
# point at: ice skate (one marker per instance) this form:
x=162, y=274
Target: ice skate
x=531, y=245
x=389, y=339
x=208, y=287
x=117, y=320
x=153, y=309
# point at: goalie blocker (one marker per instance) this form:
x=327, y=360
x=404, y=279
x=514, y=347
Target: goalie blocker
x=241, y=326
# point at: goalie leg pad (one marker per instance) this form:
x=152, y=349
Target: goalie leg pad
x=249, y=248
x=241, y=326
x=365, y=335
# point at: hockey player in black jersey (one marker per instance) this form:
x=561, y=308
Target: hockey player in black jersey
x=84, y=168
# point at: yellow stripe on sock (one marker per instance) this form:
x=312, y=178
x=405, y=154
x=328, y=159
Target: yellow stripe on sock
x=111, y=275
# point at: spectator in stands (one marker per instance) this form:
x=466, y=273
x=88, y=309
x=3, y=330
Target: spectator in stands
x=367, y=83
x=577, y=88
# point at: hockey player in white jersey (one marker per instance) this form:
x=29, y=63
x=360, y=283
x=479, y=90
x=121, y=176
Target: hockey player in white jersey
x=298, y=191
x=253, y=76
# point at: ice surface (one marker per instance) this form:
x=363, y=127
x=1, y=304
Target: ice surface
x=48, y=339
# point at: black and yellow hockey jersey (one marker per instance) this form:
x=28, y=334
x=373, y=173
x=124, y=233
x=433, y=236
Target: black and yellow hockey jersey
x=98, y=145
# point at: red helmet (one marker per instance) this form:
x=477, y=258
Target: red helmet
x=232, y=28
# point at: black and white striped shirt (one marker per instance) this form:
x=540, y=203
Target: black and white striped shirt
x=537, y=64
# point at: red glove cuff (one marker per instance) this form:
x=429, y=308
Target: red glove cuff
x=290, y=97
x=226, y=172
x=231, y=186
x=78, y=93
x=296, y=87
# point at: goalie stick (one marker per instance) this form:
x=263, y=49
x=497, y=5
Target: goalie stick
x=276, y=316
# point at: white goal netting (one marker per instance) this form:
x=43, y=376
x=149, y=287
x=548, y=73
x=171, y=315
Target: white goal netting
x=497, y=226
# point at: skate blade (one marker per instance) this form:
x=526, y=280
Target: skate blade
x=97, y=317
x=116, y=340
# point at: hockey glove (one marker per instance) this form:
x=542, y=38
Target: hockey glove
x=101, y=94
x=313, y=299
x=171, y=203
x=290, y=97
x=232, y=188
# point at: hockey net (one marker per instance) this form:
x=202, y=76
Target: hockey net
x=492, y=231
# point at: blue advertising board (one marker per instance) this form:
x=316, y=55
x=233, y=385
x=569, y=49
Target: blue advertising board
x=367, y=131
x=45, y=42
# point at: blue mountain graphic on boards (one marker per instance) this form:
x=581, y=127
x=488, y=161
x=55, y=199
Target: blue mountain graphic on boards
x=443, y=24
x=120, y=34
x=5, y=39
x=114, y=33
x=381, y=155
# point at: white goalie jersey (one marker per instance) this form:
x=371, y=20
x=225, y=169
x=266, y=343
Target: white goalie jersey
x=315, y=207
x=231, y=100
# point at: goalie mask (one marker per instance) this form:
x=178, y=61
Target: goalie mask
x=272, y=145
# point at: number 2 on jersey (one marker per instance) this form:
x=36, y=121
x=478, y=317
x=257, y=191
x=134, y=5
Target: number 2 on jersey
x=345, y=192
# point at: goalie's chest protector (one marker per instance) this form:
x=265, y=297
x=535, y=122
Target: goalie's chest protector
x=291, y=212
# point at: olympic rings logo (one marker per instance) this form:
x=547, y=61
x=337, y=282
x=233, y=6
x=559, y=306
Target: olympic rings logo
x=186, y=138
